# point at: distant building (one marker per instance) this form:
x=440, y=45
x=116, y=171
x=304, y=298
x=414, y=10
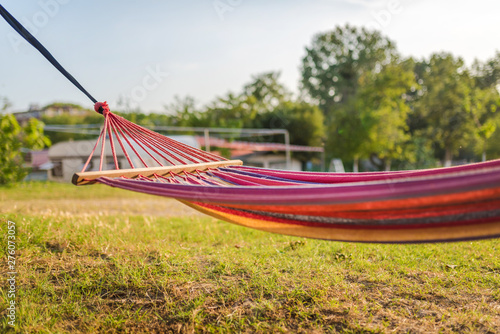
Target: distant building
x=56, y=109
x=51, y=110
x=38, y=164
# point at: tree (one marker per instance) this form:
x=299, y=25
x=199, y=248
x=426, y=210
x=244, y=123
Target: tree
x=491, y=147
x=384, y=110
x=336, y=60
x=266, y=92
x=262, y=95
x=487, y=74
x=373, y=122
x=270, y=105
x=445, y=105
x=183, y=112
x=303, y=121
x=485, y=101
x=232, y=111
x=346, y=134
x=484, y=109
x=65, y=119
x=12, y=139
x=5, y=103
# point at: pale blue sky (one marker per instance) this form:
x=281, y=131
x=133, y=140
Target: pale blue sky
x=210, y=47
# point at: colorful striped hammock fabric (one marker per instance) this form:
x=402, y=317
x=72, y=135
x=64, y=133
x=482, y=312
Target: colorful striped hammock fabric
x=433, y=205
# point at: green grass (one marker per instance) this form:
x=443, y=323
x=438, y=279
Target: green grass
x=95, y=259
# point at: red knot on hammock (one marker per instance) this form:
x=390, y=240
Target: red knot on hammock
x=136, y=150
x=101, y=108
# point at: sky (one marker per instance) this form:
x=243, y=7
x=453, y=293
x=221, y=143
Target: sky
x=147, y=52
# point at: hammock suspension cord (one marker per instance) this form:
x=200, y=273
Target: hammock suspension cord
x=132, y=138
x=37, y=45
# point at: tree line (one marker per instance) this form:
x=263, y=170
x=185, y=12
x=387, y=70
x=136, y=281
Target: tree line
x=383, y=107
x=362, y=100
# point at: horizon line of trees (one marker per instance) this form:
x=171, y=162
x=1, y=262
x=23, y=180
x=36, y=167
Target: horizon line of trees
x=363, y=101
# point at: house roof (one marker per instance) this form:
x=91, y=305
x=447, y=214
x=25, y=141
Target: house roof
x=39, y=158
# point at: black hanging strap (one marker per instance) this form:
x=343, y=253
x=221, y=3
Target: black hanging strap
x=33, y=41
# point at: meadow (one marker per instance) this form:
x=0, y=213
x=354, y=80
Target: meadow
x=94, y=259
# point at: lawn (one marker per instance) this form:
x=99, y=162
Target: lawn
x=95, y=259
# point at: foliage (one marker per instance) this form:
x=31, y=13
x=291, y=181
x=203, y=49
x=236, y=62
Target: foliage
x=336, y=60
x=484, y=109
x=491, y=147
x=263, y=103
x=373, y=123
x=63, y=105
x=183, y=112
x=445, y=106
x=485, y=105
x=12, y=139
x=384, y=110
x=232, y=111
x=5, y=103
x=422, y=155
x=260, y=96
x=303, y=121
x=10, y=151
x=265, y=91
x=374, y=108
x=487, y=74
x=346, y=133
x=65, y=119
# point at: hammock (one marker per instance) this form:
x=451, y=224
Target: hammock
x=434, y=205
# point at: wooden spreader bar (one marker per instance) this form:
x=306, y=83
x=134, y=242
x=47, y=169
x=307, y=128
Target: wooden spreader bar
x=90, y=177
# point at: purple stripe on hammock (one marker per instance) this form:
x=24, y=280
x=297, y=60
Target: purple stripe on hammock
x=267, y=177
x=317, y=195
x=318, y=177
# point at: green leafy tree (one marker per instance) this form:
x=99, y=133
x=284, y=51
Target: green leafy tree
x=487, y=74
x=383, y=108
x=264, y=102
x=12, y=139
x=373, y=123
x=68, y=117
x=231, y=111
x=347, y=134
x=270, y=105
x=491, y=147
x=484, y=109
x=335, y=62
x=261, y=95
x=265, y=92
x=445, y=104
x=10, y=151
x=485, y=102
x=303, y=121
x=183, y=112
x=65, y=119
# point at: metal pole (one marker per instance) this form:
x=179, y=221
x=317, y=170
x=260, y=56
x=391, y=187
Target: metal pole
x=207, y=139
x=287, y=149
x=323, y=161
